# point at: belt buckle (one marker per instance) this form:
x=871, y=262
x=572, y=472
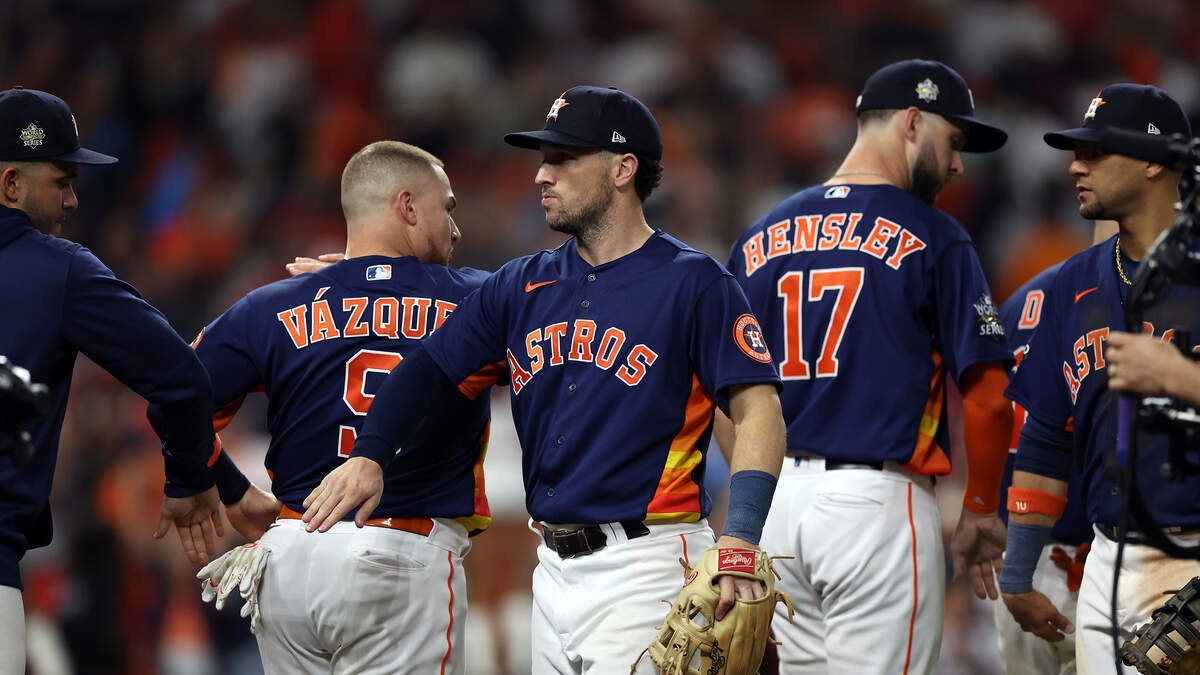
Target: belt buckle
x=560, y=541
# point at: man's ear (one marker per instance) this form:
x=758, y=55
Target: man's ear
x=1152, y=170
x=912, y=120
x=403, y=206
x=625, y=169
x=11, y=187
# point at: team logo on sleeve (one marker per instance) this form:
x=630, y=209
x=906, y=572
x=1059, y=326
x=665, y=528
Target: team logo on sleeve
x=379, y=272
x=749, y=338
x=989, y=318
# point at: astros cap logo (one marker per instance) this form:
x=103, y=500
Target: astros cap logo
x=1096, y=103
x=559, y=103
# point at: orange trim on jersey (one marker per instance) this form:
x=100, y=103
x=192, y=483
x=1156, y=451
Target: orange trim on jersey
x=912, y=620
x=1018, y=423
x=677, y=498
x=685, y=558
x=481, y=519
x=928, y=458
x=481, y=379
x=450, y=585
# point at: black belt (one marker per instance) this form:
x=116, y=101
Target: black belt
x=587, y=539
x=1133, y=537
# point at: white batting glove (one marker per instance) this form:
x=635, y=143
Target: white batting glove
x=241, y=568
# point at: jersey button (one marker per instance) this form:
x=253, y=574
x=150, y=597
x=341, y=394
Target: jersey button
x=591, y=277
x=550, y=492
x=585, y=304
x=571, y=387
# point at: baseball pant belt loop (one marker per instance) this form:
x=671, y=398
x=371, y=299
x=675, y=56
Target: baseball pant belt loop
x=799, y=456
x=1135, y=537
x=581, y=541
x=416, y=524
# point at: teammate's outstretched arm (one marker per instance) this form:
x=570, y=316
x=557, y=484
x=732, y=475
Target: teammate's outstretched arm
x=978, y=541
x=757, y=456
x=413, y=391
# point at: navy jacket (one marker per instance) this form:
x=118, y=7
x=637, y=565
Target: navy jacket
x=57, y=299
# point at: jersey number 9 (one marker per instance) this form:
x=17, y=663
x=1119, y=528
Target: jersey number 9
x=355, y=395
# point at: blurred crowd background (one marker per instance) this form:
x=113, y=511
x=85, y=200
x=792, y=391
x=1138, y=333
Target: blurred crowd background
x=233, y=119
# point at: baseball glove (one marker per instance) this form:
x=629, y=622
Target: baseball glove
x=692, y=642
x=241, y=568
x=1167, y=644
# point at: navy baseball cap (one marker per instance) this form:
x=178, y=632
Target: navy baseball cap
x=1134, y=107
x=37, y=126
x=931, y=86
x=595, y=117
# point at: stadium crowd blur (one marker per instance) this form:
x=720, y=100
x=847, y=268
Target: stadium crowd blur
x=233, y=119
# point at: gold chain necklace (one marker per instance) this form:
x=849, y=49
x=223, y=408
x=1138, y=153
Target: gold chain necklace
x=1120, y=270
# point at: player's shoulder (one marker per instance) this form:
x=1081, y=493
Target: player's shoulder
x=1085, y=267
x=684, y=258
x=1039, y=282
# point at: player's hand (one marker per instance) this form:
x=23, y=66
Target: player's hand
x=304, y=264
x=195, y=518
x=1142, y=364
x=736, y=587
x=358, y=481
x=253, y=513
x=1036, y=614
x=976, y=548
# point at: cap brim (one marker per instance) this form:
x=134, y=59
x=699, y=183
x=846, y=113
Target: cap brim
x=532, y=140
x=981, y=136
x=1067, y=138
x=85, y=156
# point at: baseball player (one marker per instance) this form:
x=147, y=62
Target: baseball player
x=60, y=300
x=1060, y=568
x=1062, y=384
x=390, y=597
x=619, y=344
x=869, y=297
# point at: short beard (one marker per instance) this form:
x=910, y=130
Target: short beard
x=1095, y=210
x=925, y=181
x=584, y=221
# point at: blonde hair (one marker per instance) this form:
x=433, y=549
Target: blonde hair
x=377, y=172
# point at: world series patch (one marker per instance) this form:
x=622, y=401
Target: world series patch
x=749, y=338
x=989, y=318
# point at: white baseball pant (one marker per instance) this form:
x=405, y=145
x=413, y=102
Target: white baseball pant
x=369, y=600
x=12, y=627
x=595, y=614
x=1025, y=653
x=868, y=580
x=1148, y=579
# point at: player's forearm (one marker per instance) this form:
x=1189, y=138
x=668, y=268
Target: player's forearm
x=988, y=421
x=1033, y=515
x=723, y=433
x=759, y=434
x=757, y=457
x=410, y=394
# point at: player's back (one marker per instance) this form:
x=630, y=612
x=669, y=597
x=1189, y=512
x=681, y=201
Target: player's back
x=319, y=345
x=867, y=297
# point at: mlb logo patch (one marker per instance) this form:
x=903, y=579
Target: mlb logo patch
x=379, y=272
x=837, y=192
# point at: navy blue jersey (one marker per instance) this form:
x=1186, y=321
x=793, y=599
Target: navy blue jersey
x=319, y=345
x=615, y=372
x=60, y=300
x=1020, y=315
x=868, y=297
x=1063, y=383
